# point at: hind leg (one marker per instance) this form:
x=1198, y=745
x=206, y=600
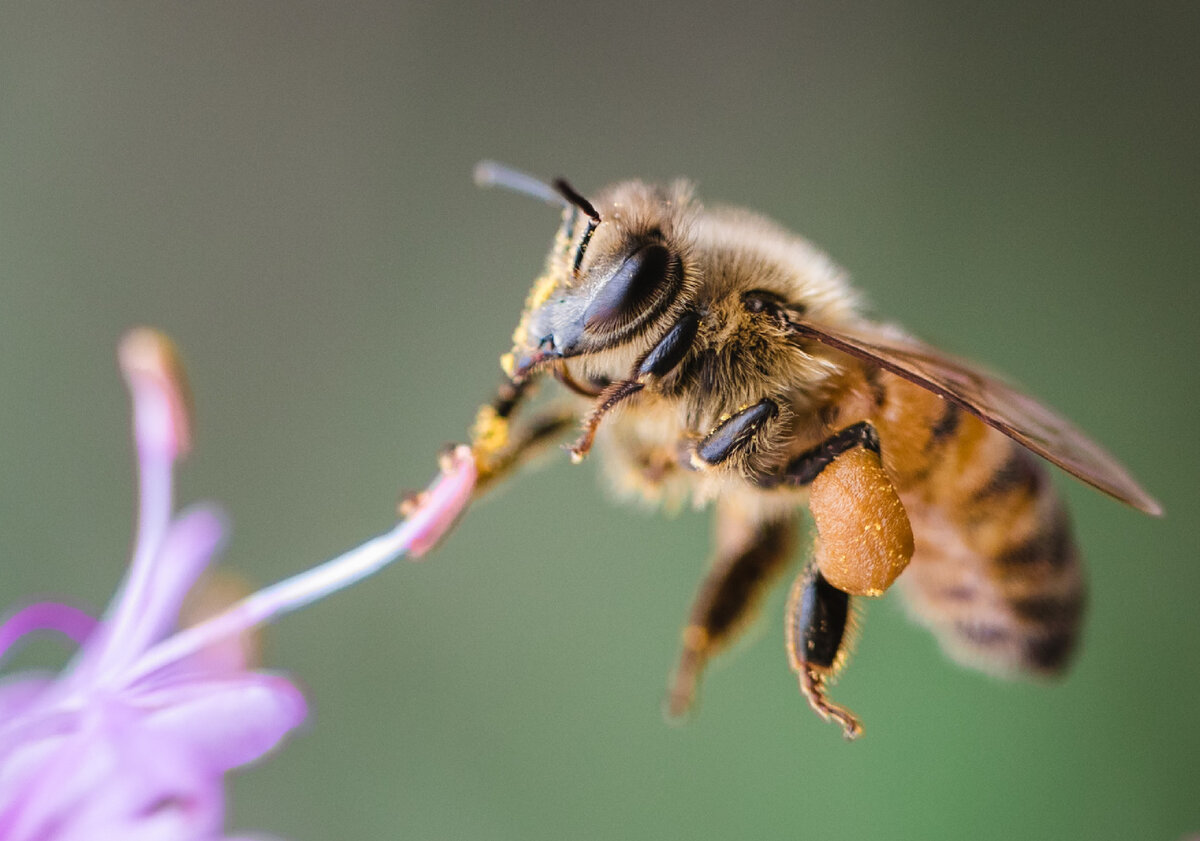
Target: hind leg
x=819, y=622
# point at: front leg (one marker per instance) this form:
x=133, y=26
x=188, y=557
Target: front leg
x=499, y=445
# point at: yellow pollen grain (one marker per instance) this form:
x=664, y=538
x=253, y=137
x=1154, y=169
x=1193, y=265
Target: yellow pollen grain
x=508, y=364
x=489, y=435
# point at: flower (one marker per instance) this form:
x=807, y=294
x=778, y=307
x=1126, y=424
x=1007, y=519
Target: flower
x=133, y=738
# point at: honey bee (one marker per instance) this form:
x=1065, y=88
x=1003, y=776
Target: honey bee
x=712, y=356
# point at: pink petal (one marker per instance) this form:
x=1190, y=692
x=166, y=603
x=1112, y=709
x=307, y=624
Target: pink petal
x=19, y=691
x=187, y=549
x=143, y=615
x=111, y=778
x=224, y=723
x=155, y=794
x=45, y=778
x=32, y=734
x=46, y=616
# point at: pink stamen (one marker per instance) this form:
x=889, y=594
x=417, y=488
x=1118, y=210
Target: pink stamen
x=161, y=431
x=441, y=505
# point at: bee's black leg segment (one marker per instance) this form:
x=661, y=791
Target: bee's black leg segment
x=509, y=396
x=735, y=433
x=671, y=348
x=804, y=468
x=818, y=621
x=750, y=556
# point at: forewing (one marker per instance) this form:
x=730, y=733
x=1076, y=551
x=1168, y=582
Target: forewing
x=996, y=403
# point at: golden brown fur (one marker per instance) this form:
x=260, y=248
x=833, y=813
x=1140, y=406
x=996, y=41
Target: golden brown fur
x=995, y=572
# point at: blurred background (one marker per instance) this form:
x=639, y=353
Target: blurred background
x=285, y=188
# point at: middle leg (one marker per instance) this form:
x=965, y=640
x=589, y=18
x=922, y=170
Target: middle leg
x=750, y=557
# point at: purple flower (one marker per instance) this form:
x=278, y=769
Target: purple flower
x=133, y=738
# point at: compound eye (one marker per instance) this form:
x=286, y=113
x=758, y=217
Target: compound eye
x=630, y=290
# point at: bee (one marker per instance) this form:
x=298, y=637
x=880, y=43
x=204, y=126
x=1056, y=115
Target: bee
x=712, y=356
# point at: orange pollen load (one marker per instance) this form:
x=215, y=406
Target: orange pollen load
x=865, y=540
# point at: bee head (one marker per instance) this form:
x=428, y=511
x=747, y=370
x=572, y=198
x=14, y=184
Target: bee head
x=614, y=270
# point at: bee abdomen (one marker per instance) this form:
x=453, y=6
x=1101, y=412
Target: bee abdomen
x=996, y=573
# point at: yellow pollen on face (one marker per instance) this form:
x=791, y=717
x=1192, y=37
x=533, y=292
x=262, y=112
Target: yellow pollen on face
x=542, y=289
x=508, y=364
x=520, y=335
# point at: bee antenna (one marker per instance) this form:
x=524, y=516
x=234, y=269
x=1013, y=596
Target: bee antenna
x=493, y=174
x=574, y=198
x=568, y=192
x=562, y=194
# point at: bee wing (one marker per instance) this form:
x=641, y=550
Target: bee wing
x=995, y=403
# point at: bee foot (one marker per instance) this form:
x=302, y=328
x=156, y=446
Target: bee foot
x=812, y=685
x=682, y=693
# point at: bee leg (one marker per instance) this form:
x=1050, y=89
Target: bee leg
x=735, y=434
x=612, y=394
x=804, y=468
x=818, y=618
x=498, y=447
x=657, y=363
x=750, y=556
x=526, y=443
x=866, y=540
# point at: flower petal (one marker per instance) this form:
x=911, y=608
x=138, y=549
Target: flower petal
x=225, y=722
x=141, y=617
x=158, y=804
x=46, y=616
x=161, y=411
x=20, y=691
x=112, y=777
x=27, y=741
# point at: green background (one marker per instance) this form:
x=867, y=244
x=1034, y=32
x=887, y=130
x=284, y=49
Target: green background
x=285, y=188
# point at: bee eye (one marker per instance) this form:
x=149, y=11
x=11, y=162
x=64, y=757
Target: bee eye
x=632, y=286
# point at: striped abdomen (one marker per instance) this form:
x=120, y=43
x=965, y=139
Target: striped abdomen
x=995, y=572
